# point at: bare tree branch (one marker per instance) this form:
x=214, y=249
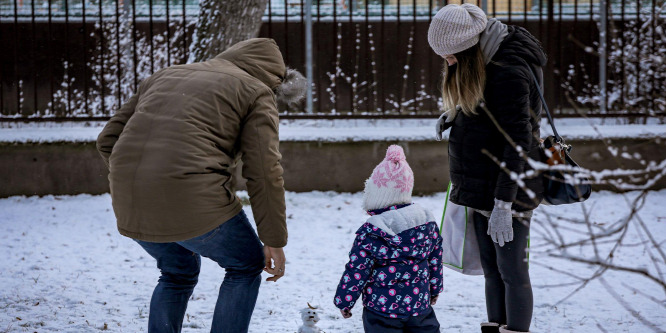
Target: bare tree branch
x=611, y=266
x=629, y=309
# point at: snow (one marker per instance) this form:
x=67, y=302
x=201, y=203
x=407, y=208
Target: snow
x=65, y=268
x=49, y=132
x=343, y=130
x=324, y=11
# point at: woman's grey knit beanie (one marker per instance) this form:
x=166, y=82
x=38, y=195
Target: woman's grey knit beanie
x=456, y=28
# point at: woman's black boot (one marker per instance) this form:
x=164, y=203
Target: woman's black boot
x=490, y=328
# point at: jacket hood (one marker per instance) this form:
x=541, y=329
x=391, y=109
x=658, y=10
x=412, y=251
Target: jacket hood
x=400, y=234
x=520, y=43
x=259, y=57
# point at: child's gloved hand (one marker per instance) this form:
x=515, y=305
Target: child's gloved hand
x=433, y=300
x=346, y=313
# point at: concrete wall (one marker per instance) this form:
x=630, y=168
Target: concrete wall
x=72, y=168
x=344, y=166
x=53, y=168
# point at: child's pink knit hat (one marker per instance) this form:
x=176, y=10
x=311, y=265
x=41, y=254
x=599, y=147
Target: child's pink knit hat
x=391, y=183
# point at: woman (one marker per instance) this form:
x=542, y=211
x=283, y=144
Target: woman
x=494, y=113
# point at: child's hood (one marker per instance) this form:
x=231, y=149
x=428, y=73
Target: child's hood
x=405, y=233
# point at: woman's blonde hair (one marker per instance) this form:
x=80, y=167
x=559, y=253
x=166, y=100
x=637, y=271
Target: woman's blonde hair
x=465, y=81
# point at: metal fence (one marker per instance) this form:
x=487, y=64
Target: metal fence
x=371, y=57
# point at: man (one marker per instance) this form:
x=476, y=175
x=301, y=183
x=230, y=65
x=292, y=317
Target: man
x=170, y=149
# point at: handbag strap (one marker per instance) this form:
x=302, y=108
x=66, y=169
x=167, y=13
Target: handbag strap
x=558, y=138
x=446, y=204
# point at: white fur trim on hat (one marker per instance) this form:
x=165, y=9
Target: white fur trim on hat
x=456, y=28
x=391, y=182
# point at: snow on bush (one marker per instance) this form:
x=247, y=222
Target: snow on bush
x=122, y=65
x=636, y=67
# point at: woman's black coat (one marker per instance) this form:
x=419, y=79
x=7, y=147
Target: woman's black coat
x=512, y=101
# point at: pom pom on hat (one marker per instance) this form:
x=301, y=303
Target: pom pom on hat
x=395, y=154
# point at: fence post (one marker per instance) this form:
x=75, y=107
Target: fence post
x=308, y=54
x=603, y=26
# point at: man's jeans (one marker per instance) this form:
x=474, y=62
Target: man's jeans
x=235, y=247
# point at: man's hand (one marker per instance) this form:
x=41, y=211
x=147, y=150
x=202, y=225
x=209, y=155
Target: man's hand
x=275, y=262
x=433, y=300
x=346, y=313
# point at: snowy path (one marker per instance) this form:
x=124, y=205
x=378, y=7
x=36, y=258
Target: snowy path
x=65, y=268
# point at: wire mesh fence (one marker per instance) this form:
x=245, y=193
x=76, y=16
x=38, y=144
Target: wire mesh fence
x=371, y=57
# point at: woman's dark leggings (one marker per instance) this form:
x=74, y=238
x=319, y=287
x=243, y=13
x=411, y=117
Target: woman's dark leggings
x=508, y=289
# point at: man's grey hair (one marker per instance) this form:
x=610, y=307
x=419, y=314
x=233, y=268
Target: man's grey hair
x=292, y=89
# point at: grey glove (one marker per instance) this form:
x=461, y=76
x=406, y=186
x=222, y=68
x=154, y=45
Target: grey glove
x=500, y=223
x=444, y=122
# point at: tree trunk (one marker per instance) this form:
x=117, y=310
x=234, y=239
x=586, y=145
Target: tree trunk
x=224, y=23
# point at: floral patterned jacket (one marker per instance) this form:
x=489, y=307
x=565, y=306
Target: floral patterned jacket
x=395, y=262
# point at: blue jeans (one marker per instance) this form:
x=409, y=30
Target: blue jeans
x=235, y=247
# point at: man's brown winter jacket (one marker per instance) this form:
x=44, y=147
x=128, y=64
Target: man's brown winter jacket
x=170, y=148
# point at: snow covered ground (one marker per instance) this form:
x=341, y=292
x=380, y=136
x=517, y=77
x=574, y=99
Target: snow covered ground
x=347, y=130
x=66, y=269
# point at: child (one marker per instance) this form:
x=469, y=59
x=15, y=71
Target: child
x=396, y=258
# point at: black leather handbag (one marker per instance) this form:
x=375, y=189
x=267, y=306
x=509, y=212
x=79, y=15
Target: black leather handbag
x=560, y=186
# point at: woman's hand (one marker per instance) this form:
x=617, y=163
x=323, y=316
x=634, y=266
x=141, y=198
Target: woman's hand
x=444, y=122
x=433, y=300
x=500, y=223
x=275, y=262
